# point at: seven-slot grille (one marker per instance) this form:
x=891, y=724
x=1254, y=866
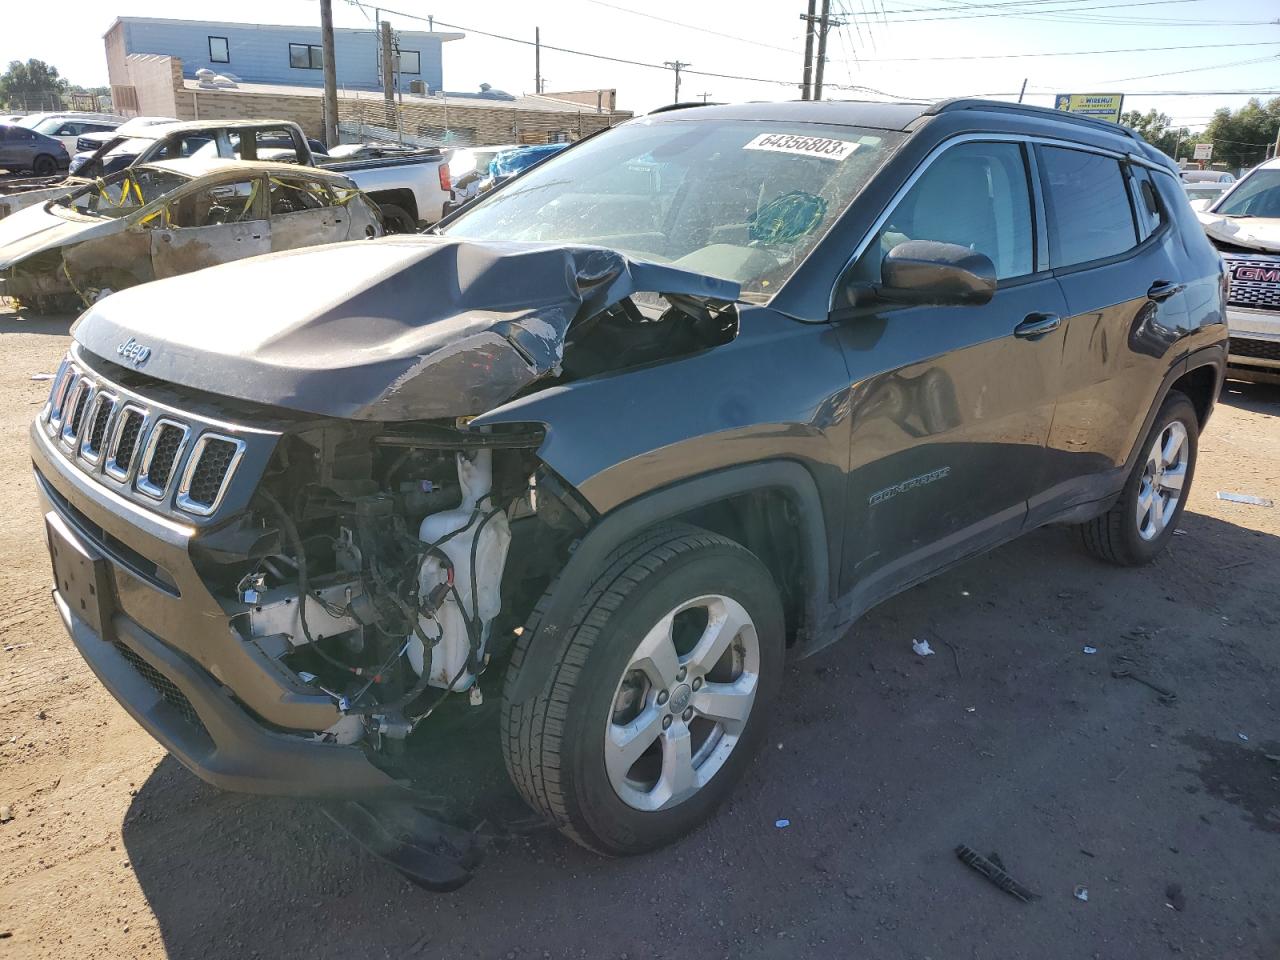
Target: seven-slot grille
x=1255, y=282
x=139, y=446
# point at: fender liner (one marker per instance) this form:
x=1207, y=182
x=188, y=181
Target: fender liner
x=551, y=638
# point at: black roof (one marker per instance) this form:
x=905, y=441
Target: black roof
x=892, y=115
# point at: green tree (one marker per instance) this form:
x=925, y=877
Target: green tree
x=31, y=86
x=1157, y=129
x=1241, y=137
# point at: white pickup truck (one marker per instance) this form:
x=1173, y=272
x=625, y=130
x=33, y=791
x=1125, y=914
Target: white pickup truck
x=410, y=190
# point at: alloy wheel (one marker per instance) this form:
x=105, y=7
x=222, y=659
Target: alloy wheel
x=1160, y=489
x=682, y=703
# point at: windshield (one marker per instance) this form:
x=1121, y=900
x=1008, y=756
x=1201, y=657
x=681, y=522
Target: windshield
x=121, y=193
x=740, y=200
x=1257, y=195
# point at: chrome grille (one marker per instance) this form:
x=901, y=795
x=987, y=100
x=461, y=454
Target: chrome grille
x=164, y=446
x=100, y=411
x=1255, y=282
x=76, y=404
x=124, y=441
x=211, y=463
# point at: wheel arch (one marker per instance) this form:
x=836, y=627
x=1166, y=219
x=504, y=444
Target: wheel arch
x=1199, y=375
x=401, y=197
x=771, y=507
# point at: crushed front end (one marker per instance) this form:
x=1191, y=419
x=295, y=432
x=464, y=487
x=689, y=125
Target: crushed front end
x=280, y=599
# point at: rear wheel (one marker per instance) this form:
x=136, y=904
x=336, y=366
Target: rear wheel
x=44, y=166
x=397, y=219
x=651, y=716
x=1141, y=522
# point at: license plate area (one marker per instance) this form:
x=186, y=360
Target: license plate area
x=80, y=575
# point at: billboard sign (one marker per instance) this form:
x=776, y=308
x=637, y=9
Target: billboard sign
x=1102, y=106
x=1204, y=151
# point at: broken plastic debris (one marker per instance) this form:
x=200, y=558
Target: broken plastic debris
x=782, y=824
x=6, y=813
x=1091, y=650
x=1247, y=498
x=1243, y=736
x=922, y=648
x=42, y=376
x=1081, y=893
x=993, y=872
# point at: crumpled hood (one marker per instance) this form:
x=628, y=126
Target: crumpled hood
x=409, y=327
x=1257, y=233
x=35, y=230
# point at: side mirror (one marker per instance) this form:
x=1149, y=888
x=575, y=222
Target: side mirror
x=921, y=272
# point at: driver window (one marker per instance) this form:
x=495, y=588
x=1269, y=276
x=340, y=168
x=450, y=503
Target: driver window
x=974, y=195
x=213, y=206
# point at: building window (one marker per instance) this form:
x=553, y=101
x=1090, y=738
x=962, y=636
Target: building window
x=410, y=61
x=306, y=56
x=219, y=50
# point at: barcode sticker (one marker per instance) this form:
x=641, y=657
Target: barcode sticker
x=827, y=148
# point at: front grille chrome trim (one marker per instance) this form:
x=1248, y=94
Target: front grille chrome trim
x=193, y=463
x=57, y=394
x=81, y=392
x=112, y=467
x=94, y=409
x=144, y=483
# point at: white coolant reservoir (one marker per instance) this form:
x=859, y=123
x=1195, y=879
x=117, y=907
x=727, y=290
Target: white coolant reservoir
x=481, y=597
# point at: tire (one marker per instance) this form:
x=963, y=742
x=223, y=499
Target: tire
x=1122, y=535
x=555, y=742
x=44, y=165
x=396, y=219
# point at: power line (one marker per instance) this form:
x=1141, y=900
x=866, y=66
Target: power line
x=689, y=26
x=1216, y=66
x=1067, y=15
x=1070, y=53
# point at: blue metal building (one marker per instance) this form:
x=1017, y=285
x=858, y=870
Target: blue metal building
x=292, y=56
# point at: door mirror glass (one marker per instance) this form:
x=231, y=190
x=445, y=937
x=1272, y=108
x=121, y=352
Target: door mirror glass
x=943, y=274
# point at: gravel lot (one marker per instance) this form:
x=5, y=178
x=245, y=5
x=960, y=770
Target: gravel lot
x=1010, y=739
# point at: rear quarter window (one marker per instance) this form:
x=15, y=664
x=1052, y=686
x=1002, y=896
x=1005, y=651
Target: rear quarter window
x=1090, y=215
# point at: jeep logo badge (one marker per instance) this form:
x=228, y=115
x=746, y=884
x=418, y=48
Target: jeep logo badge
x=133, y=352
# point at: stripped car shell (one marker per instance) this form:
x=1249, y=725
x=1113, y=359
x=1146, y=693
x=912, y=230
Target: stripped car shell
x=160, y=220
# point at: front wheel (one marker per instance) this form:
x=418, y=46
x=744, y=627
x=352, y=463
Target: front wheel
x=1141, y=522
x=649, y=719
x=396, y=219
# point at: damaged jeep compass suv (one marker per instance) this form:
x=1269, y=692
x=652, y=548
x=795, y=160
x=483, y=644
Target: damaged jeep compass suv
x=616, y=439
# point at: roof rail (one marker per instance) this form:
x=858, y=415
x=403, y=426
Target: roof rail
x=683, y=105
x=975, y=103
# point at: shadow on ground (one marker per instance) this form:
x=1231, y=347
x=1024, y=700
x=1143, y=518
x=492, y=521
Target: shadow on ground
x=1010, y=739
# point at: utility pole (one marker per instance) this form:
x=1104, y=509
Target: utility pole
x=806, y=85
x=330, y=74
x=824, y=26
x=1023, y=90
x=677, y=66
x=537, y=59
x=388, y=81
x=705, y=96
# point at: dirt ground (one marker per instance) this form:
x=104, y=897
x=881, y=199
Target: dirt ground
x=1010, y=739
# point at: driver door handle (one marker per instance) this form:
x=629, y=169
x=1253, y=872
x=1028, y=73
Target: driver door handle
x=1163, y=290
x=1036, y=325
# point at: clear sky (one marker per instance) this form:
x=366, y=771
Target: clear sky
x=764, y=39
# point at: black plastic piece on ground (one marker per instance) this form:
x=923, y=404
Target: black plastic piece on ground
x=433, y=854
x=971, y=858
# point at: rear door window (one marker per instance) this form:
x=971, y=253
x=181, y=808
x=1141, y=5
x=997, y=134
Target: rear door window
x=1090, y=214
x=1146, y=201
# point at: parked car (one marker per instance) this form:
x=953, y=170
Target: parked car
x=1207, y=176
x=1204, y=190
x=411, y=191
x=68, y=127
x=468, y=168
x=87, y=144
x=171, y=217
x=23, y=149
x=511, y=163
x=678, y=403
x=369, y=151
x=1245, y=227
